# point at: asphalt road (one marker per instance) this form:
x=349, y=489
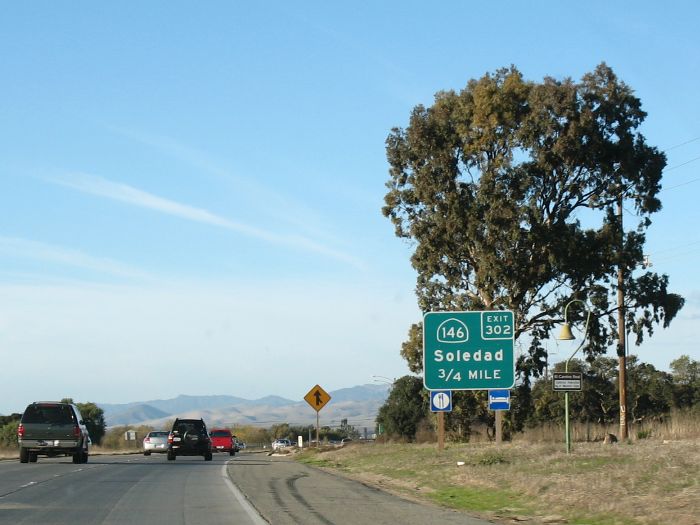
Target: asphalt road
x=134, y=489
x=122, y=490
x=286, y=492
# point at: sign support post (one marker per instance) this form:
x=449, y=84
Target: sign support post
x=499, y=400
x=567, y=430
x=317, y=397
x=441, y=402
x=499, y=427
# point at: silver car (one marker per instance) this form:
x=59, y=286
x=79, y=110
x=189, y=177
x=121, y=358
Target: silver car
x=281, y=443
x=156, y=441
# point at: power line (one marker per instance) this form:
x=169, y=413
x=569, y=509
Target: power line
x=679, y=185
x=630, y=213
x=682, y=164
x=681, y=144
x=684, y=245
x=676, y=256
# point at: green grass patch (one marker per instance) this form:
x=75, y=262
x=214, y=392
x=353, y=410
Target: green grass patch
x=588, y=463
x=480, y=499
x=318, y=462
x=491, y=459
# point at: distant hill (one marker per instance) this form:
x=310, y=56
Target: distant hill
x=361, y=393
x=359, y=405
x=136, y=412
x=177, y=404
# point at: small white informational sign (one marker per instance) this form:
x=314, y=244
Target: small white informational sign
x=567, y=381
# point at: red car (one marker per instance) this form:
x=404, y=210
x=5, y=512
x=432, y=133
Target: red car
x=222, y=441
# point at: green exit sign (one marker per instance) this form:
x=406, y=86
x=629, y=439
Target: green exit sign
x=468, y=350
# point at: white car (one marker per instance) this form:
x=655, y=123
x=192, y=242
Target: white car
x=281, y=443
x=156, y=441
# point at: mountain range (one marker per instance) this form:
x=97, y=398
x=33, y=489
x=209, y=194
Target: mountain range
x=358, y=404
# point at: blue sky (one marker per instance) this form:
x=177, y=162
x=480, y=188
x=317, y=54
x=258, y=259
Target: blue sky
x=191, y=194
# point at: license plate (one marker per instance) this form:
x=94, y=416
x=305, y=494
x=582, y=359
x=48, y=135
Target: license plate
x=219, y=446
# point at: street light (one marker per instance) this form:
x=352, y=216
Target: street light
x=383, y=379
x=566, y=335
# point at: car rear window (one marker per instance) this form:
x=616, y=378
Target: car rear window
x=189, y=426
x=53, y=414
x=221, y=433
x=158, y=434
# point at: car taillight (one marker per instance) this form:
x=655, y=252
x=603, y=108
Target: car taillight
x=20, y=430
x=76, y=431
x=147, y=440
x=170, y=437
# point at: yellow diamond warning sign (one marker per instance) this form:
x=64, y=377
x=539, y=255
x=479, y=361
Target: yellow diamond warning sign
x=317, y=398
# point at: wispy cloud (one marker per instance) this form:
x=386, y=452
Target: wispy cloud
x=267, y=199
x=102, y=187
x=27, y=249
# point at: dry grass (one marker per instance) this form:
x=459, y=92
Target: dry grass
x=7, y=453
x=647, y=482
x=679, y=424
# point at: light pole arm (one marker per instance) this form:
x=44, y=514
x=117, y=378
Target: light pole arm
x=585, y=332
x=383, y=379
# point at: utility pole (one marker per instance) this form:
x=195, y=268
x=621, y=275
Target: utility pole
x=621, y=328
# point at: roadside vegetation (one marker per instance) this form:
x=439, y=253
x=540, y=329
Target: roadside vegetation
x=656, y=399
x=648, y=481
x=650, y=478
x=489, y=185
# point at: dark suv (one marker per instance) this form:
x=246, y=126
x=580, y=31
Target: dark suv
x=189, y=437
x=52, y=428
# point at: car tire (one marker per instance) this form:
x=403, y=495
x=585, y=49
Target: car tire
x=171, y=456
x=85, y=456
x=23, y=455
x=208, y=456
x=78, y=457
x=231, y=452
x=147, y=453
x=33, y=456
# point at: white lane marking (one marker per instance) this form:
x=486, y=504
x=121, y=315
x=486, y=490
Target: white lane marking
x=27, y=484
x=253, y=514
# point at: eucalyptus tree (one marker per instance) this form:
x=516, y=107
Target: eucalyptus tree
x=686, y=378
x=404, y=409
x=509, y=191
